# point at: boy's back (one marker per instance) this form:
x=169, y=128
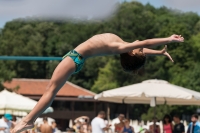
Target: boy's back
x=98, y=45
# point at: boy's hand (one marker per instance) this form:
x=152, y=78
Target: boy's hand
x=176, y=38
x=164, y=52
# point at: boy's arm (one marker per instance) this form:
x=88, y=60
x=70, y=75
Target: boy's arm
x=106, y=128
x=150, y=52
x=150, y=42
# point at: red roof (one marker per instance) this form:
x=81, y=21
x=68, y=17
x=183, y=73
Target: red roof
x=38, y=86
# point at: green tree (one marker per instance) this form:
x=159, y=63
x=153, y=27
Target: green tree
x=107, y=78
x=159, y=111
x=5, y=74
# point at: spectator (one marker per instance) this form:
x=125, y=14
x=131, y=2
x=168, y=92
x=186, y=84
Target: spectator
x=85, y=126
x=54, y=127
x=14, y=121
x=141, y=126
x=127, y=128
x=30, y=131
x=120, y=125
x=179, y=127
x=194, y=126
x=167, y=124
x=77, y=126
x=98, y=124
x=6, y=124
x=154, y=128
x=90, y=128
x=46, y=128
x=116, y=121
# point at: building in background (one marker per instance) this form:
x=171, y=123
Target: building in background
x=70, y=102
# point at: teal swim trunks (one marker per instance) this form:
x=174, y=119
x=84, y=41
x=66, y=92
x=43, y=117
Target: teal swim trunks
x=77, y=58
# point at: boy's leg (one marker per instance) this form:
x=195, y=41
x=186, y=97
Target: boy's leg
x=59, y=77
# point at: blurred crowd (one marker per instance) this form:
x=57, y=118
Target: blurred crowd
x=100, y=125
x=174, y=125
x=122, y=125
x=8, y=122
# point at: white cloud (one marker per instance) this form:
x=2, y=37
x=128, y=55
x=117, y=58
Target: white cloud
x=56, y=9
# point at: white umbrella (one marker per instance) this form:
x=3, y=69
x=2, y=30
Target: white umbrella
x=12, y=102
x=151, y=92
x=13, y=112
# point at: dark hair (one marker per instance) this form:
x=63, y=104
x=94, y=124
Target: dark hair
x=121, y=115
x=195, y=116
x=131, y=63
x=177, y=116
x=101, y=113
x=45, y=119
x=168, y=117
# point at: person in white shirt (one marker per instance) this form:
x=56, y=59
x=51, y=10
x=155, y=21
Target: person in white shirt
x=117, y=121
x=6, y=124
x=98, y=123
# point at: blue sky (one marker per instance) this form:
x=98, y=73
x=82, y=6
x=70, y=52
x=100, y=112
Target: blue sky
x=183, y=5
x=8, y=11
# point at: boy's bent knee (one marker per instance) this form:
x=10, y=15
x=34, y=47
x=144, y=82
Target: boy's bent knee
x=53, y=86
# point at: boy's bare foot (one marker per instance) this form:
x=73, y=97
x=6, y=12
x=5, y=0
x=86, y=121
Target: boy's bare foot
x=22, y=126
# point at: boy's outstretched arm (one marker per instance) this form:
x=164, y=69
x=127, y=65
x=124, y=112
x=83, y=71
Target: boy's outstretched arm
x=150, y=52
x=150, y=43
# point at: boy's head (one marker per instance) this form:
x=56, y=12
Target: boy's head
x=102, y=114
x=194, y=118
x=121, y=117
x=127, y=121
x=45, y=119
x=176, y=118
x=132, y=62
x=154, y=119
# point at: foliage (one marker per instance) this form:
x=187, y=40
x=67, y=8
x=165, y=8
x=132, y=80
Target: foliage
x=157, y=111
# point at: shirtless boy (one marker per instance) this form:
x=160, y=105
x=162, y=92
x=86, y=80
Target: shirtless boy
x=46, y=128
x=132, y=58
